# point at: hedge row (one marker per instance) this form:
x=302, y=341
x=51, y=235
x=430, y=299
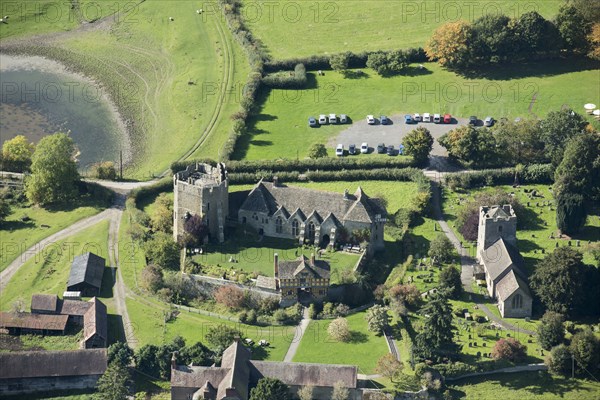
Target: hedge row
x=287, y=79
x=357, y=60
x=321, y=164
x=143, y=193
x=535, y=173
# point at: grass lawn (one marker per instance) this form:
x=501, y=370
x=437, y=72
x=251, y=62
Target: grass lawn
x=18, y=236
x=364, y=349
x=525, y=385
x=280, y=129
x=48, y=272
x=323, y=27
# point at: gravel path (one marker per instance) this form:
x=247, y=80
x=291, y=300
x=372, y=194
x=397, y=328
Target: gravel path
x=300, y=330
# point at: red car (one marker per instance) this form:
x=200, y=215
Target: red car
x=447, y=118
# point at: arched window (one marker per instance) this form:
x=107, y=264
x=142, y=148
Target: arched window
x=311, y=231
x=278, y=225
x=500, y=228
x=517, y=301
x=295, y=230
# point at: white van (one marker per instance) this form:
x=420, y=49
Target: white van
x=426, y=117
x=437, y=118
x=322, y=119
x=332, y=119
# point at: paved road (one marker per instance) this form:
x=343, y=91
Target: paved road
x=300, y=330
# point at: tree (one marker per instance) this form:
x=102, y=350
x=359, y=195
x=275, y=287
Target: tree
x=389, y=366
x=418, y=144
x=570, y=212
x=492, y=38
x=585, y=348
x=145, y=360
x=407, y=294
x=162, y=215
x=340, y=62
x=509, y=349
x=104, y=170
x=230, y=296
x=471, y=146
x=306, y=393
x=448, y=45
x=270, y=388
x=441, y=249
x=559, y=360
x=450, y=281
x=196, y=231
x=377, y=318
x=557, y=279
x=594, y=39
x=521, y=141
x=437, y=338
x=120, y=353
x=317, y=150
x=339, y=330
x=53, y=171
x=340, y=392
x=112, y=385
x=16, y=154
x=152, y=278
x=163, y=251
x=534, y=34
x=557, y=129
x=551, y=330
x=590, y=10
x=573, y=28
x=196, y=354
x=4, y=210
x=579, y=170
x=221, y=337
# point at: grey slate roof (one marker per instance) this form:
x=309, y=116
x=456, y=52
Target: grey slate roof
x=510, y=284
x=304, y=374
x=184, y=376
x=290, y=269
x=236, y=358
x=87, y=268
x=501, y=256
x=268, y=198
x=44, y=303
x=266, y=282
x=37, y=364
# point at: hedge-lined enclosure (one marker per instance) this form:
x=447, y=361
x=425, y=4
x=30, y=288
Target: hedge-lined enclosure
x=534, y=173
x=287, y=79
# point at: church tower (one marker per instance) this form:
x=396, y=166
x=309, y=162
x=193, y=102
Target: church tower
x=494, y=223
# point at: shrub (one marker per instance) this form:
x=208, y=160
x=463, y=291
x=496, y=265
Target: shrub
x=551, y=330
x=152, y=278
x=509, y=349
x=287, y=79
x=559, y=360
x=230, y=296
x=339, y=329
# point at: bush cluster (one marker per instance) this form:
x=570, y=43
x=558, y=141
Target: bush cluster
x=535, y=173
x=287, y=79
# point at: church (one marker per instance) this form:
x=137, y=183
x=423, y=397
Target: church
x=501, y=261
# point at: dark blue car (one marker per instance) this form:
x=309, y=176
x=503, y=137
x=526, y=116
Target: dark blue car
x=409, y=119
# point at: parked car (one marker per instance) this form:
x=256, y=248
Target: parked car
x=437, y=118
x=370, y=120
x=417, y=117
x=390, y=150
x=343, y=119
x=364, y=148
x=408, y=119
x=322, y=119
x=332, y=119
x=312, y=122
x=380, y=148
x=426, y=117
x=472, y=120
x=352, y=149
x=489, y=121
x=384, y=120
x=339, y=150
x=447, y=118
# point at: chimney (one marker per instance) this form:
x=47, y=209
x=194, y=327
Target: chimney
x=174, y=361
x=346, y=194
x=276, y=264
x=312, y=259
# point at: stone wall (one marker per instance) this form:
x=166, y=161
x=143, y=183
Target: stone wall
x=36, y=385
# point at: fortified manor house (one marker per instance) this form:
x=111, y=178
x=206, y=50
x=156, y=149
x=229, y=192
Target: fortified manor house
x=275, y=210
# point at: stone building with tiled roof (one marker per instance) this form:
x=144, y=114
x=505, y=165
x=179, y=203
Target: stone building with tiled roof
x=238, y=374
x=86, y=274
x=312, y=216
x=502, y=262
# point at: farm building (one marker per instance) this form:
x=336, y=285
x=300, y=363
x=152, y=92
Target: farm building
x=86, y=274
x=43, y=371
x=238, y=373
x=95, y=325
x=18, y=323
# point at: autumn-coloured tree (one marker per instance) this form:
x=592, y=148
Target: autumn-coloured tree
x=509, y=349
x=230, y=296
x=408, y=294
x=594, y=39
x=389, y=366
x=448, y=45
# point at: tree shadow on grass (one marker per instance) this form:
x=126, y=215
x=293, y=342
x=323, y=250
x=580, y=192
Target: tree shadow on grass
x=415, y=71
x=16, y=225
x=355, y=74
x=358, y=337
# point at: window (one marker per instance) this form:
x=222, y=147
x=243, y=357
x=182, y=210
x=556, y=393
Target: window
x=243, y=220
x=311, y=231
x=500, y=228
x=517, y=301
x=295, y=230
x=207, y=206
x=278, y=225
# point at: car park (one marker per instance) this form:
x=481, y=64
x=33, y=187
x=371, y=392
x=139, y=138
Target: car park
x=408, y=119
x=390, y=150
x=364, y=148
x=426, y=117
x=339, y=150
x=312, y=122
x=447, y=118
x=472, y=120
x=384, y=120
x=370, y=120
x=417, y=117
x=322, y=119
x=437, y=118
x=332, y=119
x=489, y=121
x=380, y=148
x=352, y=149
x=343, y=119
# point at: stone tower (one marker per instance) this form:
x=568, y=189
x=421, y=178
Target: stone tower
x=201, y=190
x=494, y=223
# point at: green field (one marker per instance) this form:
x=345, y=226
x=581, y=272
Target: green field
x=48, y=271
x=364, y=349
x=18, y=236
x=326, y=27
x=281, y=130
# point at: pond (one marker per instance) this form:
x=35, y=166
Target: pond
x=40, y=97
